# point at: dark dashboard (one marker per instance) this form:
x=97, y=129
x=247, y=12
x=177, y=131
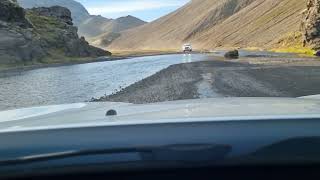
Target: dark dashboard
x=283, y=172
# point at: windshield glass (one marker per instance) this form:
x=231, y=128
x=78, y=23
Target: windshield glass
x=150, y=51
x=225, y=81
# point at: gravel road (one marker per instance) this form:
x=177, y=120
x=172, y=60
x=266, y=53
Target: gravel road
x=248, y=77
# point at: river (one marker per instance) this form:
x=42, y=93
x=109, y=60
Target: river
x=79, y=83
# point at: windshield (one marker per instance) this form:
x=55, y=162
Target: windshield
x=147, y=51
x=81, y=78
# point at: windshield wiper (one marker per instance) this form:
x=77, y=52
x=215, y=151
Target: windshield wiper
x=70, y=154
x=171, y=152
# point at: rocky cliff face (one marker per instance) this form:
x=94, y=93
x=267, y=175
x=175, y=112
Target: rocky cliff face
x=54, y=25
x=18, y=43
x=58, y=12
x=10, y=12
x=39, y=34
x=79, y=13
x=311, y=25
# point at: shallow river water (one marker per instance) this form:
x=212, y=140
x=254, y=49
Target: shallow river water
x=79, y=83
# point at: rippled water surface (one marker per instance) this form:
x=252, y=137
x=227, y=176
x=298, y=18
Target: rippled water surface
x=78, y=83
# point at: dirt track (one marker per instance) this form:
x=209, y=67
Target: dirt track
x=241, y=78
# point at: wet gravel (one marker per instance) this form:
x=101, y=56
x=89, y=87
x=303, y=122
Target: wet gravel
x=223, y=78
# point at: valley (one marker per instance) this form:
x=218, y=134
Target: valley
x=53, y=52
x=210, y=24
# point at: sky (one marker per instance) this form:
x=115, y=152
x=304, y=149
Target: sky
x=147, y=10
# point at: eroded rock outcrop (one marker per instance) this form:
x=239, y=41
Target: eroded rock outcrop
x=18, y=42
x=40, y=34
x=54, y=25
x=58, y=12
x=11, y=12
x=311, y=24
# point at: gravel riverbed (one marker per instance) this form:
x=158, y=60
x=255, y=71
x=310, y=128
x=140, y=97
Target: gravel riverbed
x=266, y=77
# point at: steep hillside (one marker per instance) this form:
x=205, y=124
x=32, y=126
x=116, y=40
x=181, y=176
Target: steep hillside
x=214, y=23
x=40, y=35
x=259, y=25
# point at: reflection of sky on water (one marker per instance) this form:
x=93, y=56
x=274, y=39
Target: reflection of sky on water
x=187, y=58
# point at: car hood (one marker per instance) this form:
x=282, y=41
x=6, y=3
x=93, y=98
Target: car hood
x=216, y=109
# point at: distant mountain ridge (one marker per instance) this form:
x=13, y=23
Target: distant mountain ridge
x=96, y=26
x=209, y=24
x=93, y=26
x=113, y=29
x=88, y=25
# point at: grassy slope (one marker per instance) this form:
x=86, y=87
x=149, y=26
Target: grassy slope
x=292, y=43
x=258, y=25
x=46, y=28
x=204, y=23
x=168, y=32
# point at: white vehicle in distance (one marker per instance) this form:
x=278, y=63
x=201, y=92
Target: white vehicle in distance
x=187, y=47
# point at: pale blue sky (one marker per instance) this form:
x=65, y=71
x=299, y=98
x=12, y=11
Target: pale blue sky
x=147, y=10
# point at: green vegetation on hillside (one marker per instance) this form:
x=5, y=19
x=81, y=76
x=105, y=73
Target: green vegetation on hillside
x=293, y=43
x=57, y=56
x=46, y=26
x=55, y=34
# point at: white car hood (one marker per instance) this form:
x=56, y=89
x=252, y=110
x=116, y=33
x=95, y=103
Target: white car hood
x=220, y=109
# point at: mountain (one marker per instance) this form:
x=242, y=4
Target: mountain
x=88, y=25
x=217, y=23
x=112, y=30
x=93, y=26
x=98, y=25
x=124, y=23
x=40, y=35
